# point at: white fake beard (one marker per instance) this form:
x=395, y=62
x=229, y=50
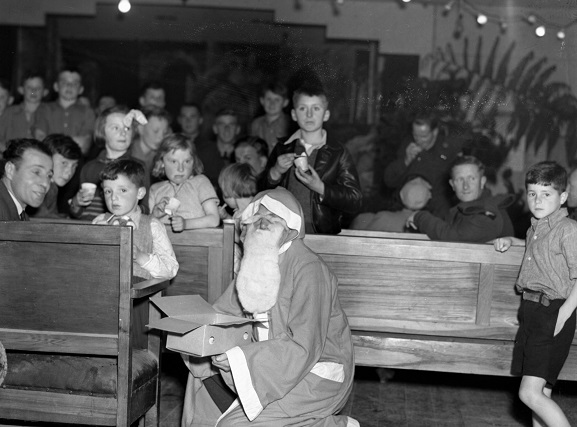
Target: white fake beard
x=258, y=279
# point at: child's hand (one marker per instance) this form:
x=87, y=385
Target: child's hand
x=502, y=244
x=222, y=212
x=158, y=209
x=83, y=198
x=100, y=220
x=284, y=162
x=177, y=223
x=138, y=256
x=312, y=180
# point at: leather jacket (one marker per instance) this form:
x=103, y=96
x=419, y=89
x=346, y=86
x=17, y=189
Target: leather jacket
x=343, y=193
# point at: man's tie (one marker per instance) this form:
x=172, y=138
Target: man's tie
x=24, y=216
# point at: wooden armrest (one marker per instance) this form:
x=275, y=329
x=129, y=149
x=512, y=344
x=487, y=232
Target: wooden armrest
x=147, y=287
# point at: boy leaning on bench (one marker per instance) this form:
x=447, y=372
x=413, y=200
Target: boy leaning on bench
x=549, y=297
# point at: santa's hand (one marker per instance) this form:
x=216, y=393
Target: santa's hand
x=177, y=223
x=312, y=180
x=220, y=361
x=134, y=115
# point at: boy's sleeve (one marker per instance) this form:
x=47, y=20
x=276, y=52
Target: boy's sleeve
x=345, y=193
x=162, y=263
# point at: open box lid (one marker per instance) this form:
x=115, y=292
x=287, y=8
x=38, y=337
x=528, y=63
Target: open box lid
x=188, y=312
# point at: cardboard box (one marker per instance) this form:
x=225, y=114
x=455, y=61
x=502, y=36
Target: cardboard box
x=195, y=328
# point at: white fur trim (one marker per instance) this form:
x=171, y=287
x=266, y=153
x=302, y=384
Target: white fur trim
x=243, y=383
x=329, y=371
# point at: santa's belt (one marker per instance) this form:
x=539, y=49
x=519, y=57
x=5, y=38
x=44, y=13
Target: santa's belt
x=536, y=296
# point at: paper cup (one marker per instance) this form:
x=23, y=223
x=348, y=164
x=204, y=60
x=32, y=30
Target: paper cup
x=302, y=163
x=89, y=189
x=171, y=206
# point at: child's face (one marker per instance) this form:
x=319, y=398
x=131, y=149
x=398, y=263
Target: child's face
x=226, y=129
x=122, y=195
x=154, y=132
x=69, y=86
x=33, y=90
x=178, y=165
x=153, y=98
x=5, y=99
x=63, y=169
x=190, y=120
x=310, y=112
x=248, y=154
x=543, y=200
x=273, y=103
x=118, y=136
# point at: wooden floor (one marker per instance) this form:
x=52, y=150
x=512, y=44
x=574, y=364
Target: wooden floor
x=410, y=399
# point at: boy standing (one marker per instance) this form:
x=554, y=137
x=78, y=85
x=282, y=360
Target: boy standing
x=547, y=283
x=123, y=186
x=190, y=119
x=19, y=121
x=66, y=115
x=274, y=123
x=327, y=186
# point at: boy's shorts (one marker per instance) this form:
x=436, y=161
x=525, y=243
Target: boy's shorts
x=537, y=352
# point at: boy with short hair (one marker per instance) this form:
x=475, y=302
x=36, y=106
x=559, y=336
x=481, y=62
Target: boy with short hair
x=190, y=119
x=327, y=186
x=274, y=123
x=123, y=186
x=19, y=121
x=152, y=94
x=65, y=155
x=215, y=155
x=254, y=151
x=549, y=295
x=67, y=115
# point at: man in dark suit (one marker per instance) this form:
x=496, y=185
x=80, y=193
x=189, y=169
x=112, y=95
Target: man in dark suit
x=26, y=180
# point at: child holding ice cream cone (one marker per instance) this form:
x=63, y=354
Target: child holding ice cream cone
x=186, y=199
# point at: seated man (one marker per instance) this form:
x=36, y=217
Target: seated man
x=414, y=195
x=27, y=174
x=429, y=153
x=300, y=369
x=478, y=218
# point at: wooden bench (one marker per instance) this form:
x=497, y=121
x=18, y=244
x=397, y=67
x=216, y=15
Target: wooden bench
x=425, y=305
x=65, y=320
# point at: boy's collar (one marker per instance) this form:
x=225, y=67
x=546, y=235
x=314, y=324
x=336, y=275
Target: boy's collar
x=551, y=219
x=308, y=147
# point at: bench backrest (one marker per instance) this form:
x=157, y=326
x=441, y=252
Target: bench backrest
x=424, y=287
x=64, y=288
x=206, y=261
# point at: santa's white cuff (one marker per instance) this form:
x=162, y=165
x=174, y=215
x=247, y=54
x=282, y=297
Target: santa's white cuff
x=243, y=383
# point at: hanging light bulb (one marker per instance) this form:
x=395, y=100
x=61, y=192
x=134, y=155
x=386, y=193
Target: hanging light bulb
x=531, y=19
x=124, y=6
x=449, y=5
x=561, y=34
x=481, y=19
x=503, y=26
x=406, y=1
x=540, y=31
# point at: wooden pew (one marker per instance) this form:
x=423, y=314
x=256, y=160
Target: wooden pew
x=418, y=304
x=206, y=256
x=65, y=320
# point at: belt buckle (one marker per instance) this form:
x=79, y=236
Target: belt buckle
x=543, y=299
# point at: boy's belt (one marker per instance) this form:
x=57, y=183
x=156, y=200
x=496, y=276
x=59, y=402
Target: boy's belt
x=536, y=296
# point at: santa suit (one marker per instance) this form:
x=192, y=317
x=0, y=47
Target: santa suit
x=300, y=371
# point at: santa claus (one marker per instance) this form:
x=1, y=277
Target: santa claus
x=299, y=368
